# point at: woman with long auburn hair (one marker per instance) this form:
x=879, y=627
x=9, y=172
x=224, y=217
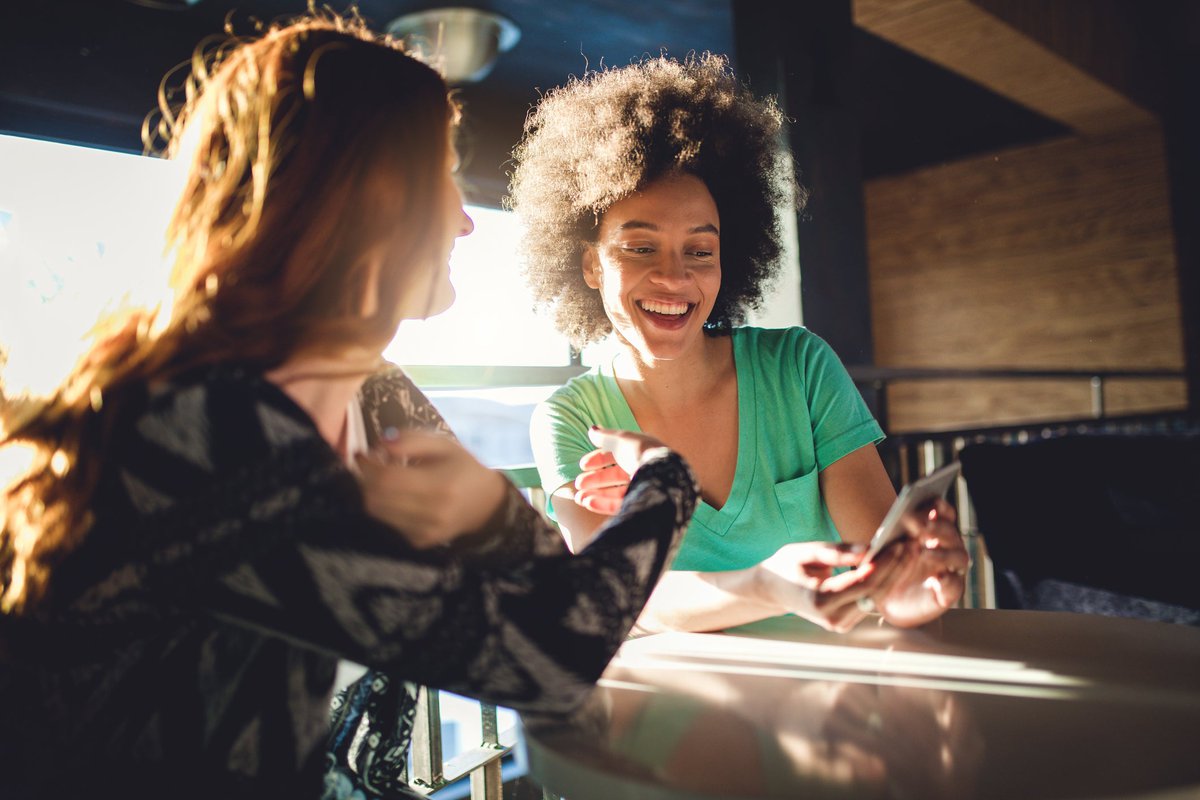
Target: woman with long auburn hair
x=229, y=493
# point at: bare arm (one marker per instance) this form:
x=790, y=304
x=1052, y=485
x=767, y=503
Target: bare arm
x=858, y=493
x=577, y=524
x=706, y=601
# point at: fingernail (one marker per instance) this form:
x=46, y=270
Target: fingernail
x=594, y=428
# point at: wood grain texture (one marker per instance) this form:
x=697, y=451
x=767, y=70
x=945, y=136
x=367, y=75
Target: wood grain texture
x=950, y=405
x=966, y=39
x=1059, y=255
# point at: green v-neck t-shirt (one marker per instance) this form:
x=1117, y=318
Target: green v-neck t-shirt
x=798, y=412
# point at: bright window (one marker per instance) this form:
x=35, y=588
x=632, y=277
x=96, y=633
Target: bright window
x=78, y=226
x=81, y=230
x=491, y=321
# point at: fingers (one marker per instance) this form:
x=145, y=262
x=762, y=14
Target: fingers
x=943, y=509
x=428, y=487
x=842, y=554
x=935, y=526
x=830, y=554
x=947, y=588
x=842, y=610
x=854, y=582
x=610, y=476
x=627, y=448
x=409, y=446
x=600, y=503
x=894, y=563
x=841, y=599
x=597, y=459
x=938, y=560
x=601, y=487
x=607, y=438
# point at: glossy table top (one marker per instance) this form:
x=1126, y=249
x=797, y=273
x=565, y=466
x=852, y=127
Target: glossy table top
x=979, y=704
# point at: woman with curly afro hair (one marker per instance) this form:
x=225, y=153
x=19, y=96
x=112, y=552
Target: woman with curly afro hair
x=650, y=198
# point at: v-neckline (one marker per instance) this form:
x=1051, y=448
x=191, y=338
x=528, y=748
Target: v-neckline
x=718, y=520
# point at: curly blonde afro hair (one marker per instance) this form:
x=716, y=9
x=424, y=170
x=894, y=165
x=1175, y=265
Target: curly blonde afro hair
x=600, y=138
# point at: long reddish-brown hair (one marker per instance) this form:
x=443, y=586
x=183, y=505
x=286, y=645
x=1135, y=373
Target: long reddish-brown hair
x=308, y=147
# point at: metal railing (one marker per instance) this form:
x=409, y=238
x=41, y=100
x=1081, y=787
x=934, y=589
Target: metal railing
x=430, y=771
x=878, y=380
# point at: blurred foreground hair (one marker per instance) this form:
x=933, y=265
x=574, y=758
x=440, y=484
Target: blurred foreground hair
x=307, y=147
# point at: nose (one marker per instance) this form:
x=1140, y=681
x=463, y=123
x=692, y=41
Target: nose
x=671, y=270
x=465, y=223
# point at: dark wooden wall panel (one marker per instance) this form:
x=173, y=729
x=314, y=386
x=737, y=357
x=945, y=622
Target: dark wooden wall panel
x=1056, y=256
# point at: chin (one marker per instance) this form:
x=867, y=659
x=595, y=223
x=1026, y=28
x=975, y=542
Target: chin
x=442, y=301
x=437, y=300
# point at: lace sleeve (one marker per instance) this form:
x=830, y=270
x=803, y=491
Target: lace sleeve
x=389, y=399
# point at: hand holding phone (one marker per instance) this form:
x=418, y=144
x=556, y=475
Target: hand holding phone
x=916, y=494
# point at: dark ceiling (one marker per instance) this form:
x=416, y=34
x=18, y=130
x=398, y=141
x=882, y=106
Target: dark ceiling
x=87, y=71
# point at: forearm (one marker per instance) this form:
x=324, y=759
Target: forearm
x=577, y=524
x=706, y=601
x=514, y=534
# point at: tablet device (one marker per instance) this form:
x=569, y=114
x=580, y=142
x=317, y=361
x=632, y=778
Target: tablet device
x=911, y=497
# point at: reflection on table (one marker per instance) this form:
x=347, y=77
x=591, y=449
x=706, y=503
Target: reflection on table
x=979, y=704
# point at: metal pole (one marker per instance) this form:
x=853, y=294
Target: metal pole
x=427, y=740
x=487, y=783
x=1097, y=383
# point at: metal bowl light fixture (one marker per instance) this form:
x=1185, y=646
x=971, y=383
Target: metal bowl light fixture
x=464, y=42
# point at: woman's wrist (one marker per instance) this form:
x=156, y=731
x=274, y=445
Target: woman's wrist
x=654, y=454
x=760, y=583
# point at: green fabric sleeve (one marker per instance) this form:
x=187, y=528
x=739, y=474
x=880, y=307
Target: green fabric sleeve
x=558, y=432
x=841, y=422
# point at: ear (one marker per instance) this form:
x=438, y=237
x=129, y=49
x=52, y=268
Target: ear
x=591, y=266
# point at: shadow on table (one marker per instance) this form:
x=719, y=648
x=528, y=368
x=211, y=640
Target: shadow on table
x=819, y=739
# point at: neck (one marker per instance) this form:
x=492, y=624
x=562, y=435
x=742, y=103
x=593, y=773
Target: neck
x=671, y=383
x=324, y=386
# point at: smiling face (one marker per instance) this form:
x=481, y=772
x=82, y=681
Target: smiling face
x=657, y=265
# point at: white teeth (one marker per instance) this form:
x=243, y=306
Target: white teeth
x=663, y=308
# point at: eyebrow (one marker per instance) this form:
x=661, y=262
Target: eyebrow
x=637, y=224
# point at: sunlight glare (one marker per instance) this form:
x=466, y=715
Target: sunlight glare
x=492, y=320
x=820, y=661
x=81, y=233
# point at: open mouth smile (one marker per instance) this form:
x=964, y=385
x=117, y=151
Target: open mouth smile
x=666, y=314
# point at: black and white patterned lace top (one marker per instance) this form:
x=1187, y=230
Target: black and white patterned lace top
x=190, y=645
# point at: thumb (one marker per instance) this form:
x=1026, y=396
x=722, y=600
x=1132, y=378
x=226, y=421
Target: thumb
x=606, y=438
x=626, y=447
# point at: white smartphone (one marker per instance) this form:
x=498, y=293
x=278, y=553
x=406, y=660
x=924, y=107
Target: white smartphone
x=911, y=497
